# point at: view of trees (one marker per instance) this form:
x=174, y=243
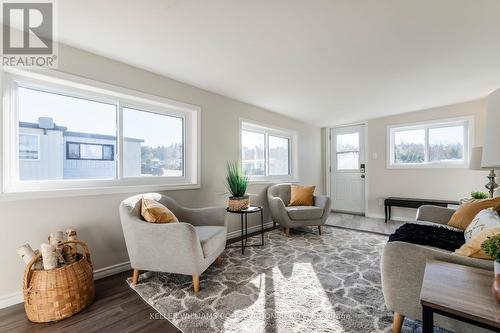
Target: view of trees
x=253, y=160
x=160, y=160
x=415, y=153
x=446, y=152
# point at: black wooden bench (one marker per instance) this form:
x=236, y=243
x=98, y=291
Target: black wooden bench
x=413, y=203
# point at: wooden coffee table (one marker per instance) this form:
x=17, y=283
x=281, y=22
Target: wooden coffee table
x=459, y=292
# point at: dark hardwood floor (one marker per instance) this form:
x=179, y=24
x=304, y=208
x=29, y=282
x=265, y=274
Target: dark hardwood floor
x=117, y=308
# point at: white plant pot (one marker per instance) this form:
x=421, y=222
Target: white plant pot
x=497, y=267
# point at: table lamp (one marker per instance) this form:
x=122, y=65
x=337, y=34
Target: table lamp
x=491, y=149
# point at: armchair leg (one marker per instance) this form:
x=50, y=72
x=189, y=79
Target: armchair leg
x=135, y=277
x=320, y=229
x=196, y=283
x=218, y=261
x=397, y=322
x=287, y=232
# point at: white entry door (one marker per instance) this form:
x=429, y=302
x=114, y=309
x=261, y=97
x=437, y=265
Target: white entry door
x=348, y=168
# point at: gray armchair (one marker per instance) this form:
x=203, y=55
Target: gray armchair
x=188, y=247
x=278, y=197
x=403, y=266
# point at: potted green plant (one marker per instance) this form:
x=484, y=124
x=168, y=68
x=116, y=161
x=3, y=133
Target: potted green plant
x=491, y=247
x=479, y=195
x=236, y=183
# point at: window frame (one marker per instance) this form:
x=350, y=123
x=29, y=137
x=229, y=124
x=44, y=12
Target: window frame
x=38, y=147
x=73, y=86
x=291, y=135
x=468, y=134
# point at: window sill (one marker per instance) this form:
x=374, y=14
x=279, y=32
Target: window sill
x=80, y=192
x=272, y=181
x=429, y=166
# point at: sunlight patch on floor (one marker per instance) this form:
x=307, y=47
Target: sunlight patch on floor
x=278, y=307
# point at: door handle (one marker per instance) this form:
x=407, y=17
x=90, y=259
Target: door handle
x=362, y=176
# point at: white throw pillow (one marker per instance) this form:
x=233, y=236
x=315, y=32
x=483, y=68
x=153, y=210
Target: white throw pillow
x=487, y=218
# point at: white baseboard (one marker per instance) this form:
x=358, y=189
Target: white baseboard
x=111, y=270
x=17, y=297
x=237, y=233
x=11, y=299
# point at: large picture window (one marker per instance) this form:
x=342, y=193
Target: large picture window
x=443, y=143
x=97, y=137
x=267, y=153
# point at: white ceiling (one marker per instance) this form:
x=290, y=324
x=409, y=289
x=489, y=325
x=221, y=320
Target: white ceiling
x=326, y=62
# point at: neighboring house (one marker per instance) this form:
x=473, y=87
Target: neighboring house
x=51, y=152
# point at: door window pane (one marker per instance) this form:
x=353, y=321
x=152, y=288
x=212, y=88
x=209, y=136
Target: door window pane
x=409, y=146
x=278, y=155
x=348, y=142
x=348, y=161
x=347, y=151
x=446, y=144
x=253, y=153
x=57, y=119
x=28, y=147
x=153, y=144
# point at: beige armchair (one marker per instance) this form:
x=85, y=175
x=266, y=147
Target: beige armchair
x=188, y=247
x=278, y=197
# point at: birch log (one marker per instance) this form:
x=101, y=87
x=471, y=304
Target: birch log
x=71, y=234
x=49, y=256
x=26, y=253
x=56, y=238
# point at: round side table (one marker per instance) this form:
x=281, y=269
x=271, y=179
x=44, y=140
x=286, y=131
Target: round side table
x=244, y=224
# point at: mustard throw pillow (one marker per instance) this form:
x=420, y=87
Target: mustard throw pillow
x=302, y=195
x=155, y=212
x=466, y=212
x=473, y=247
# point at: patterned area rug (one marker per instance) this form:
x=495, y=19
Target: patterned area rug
x=304, y=283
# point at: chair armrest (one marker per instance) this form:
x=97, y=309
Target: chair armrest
x=210, y=216
x=276, y=203
x=324, y=202
x=434, y=214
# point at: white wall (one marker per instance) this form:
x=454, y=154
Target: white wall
x=444, y=183
x=96, y=217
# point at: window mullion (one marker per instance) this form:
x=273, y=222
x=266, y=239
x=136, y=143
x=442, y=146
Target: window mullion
x=119, y=141
x=266, y=154
x=426, y=151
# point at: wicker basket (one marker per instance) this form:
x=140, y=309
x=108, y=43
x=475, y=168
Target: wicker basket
x=237, y=204
x=59, y=293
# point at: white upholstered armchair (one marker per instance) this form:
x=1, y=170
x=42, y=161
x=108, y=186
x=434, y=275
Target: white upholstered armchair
x=188, y=247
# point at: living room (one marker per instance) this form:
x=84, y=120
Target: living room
x=250, y=166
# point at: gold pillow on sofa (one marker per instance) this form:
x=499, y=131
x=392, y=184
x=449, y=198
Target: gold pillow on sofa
x=469, y=209
x=302, y=195
x=154, y=212
x=473, y=247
